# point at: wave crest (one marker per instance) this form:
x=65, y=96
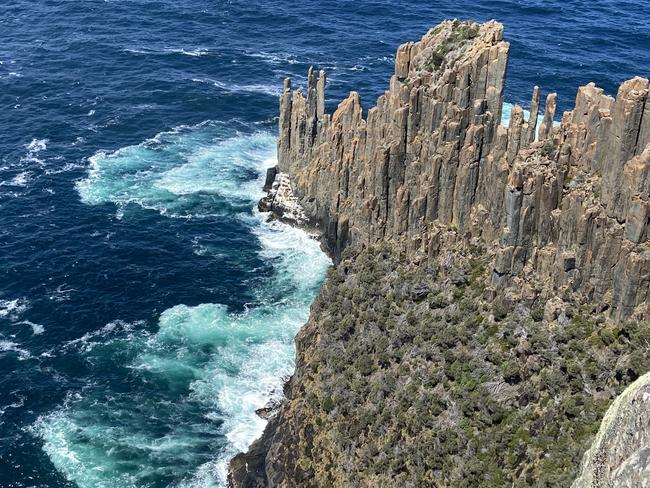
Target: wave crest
x=196, y=171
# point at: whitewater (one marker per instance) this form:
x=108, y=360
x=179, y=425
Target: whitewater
x=194, y=384
x=182, y=397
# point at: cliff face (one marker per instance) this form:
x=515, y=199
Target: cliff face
x=572, y=208
x=407, y=376
x=620, y=455
x=492, y=286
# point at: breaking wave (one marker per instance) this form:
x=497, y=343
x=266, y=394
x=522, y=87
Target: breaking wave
x=188, y=391
x=506, y=113
x=187, y=172
x=184, y=52
x=12, y=309
x=271, y=90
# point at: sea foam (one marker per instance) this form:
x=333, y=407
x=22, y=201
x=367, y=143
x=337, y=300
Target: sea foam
x=195, y=382
x=9, y=346
x=187, y=172
x=271, y=90
x=506, y=113
x=12, y=309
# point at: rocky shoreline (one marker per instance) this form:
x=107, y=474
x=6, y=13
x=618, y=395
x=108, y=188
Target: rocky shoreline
x=491, y=293
x=280, y=201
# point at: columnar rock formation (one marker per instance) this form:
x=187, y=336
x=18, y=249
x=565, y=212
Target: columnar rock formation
x=572, y=208
x=462, y=339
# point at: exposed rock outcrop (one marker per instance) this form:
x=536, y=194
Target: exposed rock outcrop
x=572, y=208
x=481, y=345
x=620, y=455
x=280, y=200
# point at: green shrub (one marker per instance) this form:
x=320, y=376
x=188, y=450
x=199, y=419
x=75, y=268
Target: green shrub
x=432, y=393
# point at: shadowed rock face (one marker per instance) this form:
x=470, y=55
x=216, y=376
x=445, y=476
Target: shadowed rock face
x=572, y=208
x=559, y=214
x=620, y=455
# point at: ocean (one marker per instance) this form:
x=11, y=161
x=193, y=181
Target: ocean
x=146, y=308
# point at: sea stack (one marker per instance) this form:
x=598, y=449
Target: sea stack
x=491, y=293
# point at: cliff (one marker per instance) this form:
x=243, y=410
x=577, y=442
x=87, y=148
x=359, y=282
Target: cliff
x=492, y=286
x=572, y=208
x=620, y=455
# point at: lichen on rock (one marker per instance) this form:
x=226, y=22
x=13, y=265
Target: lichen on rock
x=620, y=454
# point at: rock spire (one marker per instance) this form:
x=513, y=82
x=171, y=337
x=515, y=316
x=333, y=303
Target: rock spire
x=568, y=203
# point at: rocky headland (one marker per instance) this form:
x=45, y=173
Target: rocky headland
x=491, y=291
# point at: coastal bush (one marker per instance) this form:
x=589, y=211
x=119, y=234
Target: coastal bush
x=459, y=36
x=418, y=381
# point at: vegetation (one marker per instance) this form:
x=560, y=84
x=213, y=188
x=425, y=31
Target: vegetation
x=460, y=34
x=409, y=377
x=548, y=150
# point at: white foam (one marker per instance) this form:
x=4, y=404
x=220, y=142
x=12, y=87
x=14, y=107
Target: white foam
x=197, y=52
x=17, y=404
x=62, y=293
x=192, y=52
x=274, y=58
x=86, y=342
x=138, y=51
x=229, y=364
x=33, y=149
x=262, y=367
x=10, y=346
x=63, y=169
x=13, y=308
x=175, y=171
x=272, y=90
x=506, y=112
x=37, y=145
x=37, y=329
x=21, y=179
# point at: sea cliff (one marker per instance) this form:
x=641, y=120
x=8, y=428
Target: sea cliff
x=491, y=293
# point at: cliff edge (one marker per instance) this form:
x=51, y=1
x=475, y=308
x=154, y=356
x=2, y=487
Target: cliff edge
x=492, y=287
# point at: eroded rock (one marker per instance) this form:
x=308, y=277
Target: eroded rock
x=620, y=455
x=572, y=209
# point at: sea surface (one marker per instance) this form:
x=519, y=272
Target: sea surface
x=146, y=308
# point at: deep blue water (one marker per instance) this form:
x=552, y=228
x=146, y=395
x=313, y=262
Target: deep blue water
x=145, y=309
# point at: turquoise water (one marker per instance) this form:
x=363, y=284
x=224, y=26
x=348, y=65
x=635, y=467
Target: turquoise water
x=186, y=392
